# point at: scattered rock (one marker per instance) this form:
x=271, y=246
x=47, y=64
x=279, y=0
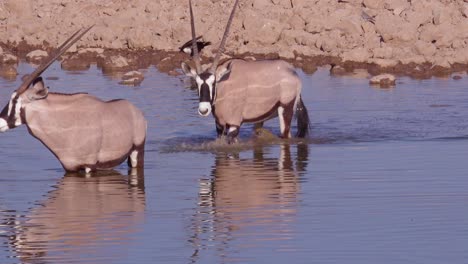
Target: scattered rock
x=457, y=77
x=8, y=72
x=395, y=30
x=264, y=31
x=8, y=58
x=384, y=63
x=383, y=80
x=385, y=52
x=75, y=63
x=91, y=50
x=309, y=68
x=174, y=73
x=132, y=78
x=165, y=65
x=36, y=56
x=114, y=63
x=338, y=70
x=360, y=54
x=425, y=48
x=391, y=30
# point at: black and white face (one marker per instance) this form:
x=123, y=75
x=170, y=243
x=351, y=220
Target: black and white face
x=206, y=83
x=12, y=114
x=10, y=117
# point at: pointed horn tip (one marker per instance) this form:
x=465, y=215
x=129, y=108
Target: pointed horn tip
x=58, y=53
x=224, y=38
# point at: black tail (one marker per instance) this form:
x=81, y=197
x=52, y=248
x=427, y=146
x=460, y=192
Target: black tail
x=303, y=121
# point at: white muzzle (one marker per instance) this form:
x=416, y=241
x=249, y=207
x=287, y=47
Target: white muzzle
x=204, y=108
x=3, y=125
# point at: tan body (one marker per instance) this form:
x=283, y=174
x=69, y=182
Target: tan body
x=254, y=90
x=84, y=132
x=239, y=91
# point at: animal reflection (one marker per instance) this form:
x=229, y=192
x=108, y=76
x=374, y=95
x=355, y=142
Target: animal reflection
x=245, y=194
x=81, y=215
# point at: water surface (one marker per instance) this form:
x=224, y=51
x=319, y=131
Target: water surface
x=382, y=179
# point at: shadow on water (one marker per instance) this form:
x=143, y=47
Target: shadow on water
x=78, y=218
x=255, y=197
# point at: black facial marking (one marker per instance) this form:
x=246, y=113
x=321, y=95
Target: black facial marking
x=10, y=119
x=4, y=113
x=205, y=75
x=205, y=93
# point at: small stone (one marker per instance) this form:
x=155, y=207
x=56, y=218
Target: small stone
x=8, y=58
x=75, y=63
x=91, y=50
x=174, y=73
x=36, y=56
x=457, y=77
x=8, y=72
x=383, y=80
x=360, y=54
x=132, y=78
x=338, y=70
x=114, y=63
x=118, y=61
x=384, y=62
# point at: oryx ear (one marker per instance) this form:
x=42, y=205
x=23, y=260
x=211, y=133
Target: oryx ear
x=38, y=90
x=223, y=72
x=188, y=70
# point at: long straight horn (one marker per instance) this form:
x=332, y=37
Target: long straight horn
x=196, y=55
x=54, y=55
x=223, y=41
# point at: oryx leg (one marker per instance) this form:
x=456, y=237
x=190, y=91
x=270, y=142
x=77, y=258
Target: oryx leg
x=136, y=159
x=285, y=115
x=257, y=128
x=219, y=129
x=232, y=132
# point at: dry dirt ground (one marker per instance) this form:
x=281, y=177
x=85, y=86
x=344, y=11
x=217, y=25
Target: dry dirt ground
x=419, y=38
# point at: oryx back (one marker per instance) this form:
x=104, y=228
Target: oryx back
x=254, y=90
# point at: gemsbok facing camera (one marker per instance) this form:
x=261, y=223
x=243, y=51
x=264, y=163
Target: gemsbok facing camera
x=239, y=91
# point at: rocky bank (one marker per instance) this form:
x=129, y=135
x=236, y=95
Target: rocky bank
x=410, y=37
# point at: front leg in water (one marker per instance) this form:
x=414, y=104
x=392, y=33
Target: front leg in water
x=232, y=133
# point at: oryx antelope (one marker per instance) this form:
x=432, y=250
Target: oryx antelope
x=239, y=91
x=82, y=131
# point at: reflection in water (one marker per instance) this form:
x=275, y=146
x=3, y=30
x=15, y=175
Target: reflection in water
x=81, y=217
x=254, y=197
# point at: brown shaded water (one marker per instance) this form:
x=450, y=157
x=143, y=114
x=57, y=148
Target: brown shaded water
x=382, y=179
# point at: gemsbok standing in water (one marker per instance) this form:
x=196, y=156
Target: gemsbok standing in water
x=82, y=131
x=239, y=91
